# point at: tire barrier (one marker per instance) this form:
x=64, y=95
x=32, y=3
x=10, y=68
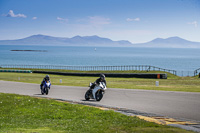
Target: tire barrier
x=17, y=71
x=117, y=75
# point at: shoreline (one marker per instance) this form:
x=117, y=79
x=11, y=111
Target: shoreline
x=31, y=50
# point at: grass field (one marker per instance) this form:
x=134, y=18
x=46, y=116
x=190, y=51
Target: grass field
x=26, y=114
x=173, y=83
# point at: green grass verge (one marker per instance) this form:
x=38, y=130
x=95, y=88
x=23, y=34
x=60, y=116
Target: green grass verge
x=173, y=83
x=26, y=114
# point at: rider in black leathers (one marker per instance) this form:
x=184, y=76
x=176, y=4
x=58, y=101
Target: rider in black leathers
x=101, y=79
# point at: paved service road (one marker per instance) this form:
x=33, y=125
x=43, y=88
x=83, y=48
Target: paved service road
x=183, y=105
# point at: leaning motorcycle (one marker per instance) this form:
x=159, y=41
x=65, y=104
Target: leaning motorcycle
x=45, y=88
x=96, y=93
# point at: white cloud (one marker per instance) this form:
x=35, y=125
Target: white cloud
x=193, y=23
x=62, y=19
x=98, y=20
x=132, y=19
x=34, y=18
x=11, y=14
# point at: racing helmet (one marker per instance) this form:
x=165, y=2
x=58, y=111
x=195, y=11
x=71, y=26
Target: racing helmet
x=102, y=76
x=47, y=77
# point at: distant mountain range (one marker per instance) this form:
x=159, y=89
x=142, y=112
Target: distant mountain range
x=60, y=41
x=172, y=42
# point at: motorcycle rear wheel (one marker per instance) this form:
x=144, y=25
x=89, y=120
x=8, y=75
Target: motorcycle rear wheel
x=42, y=91
x=87, y=95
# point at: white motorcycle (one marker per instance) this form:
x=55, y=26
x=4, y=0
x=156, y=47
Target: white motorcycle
x=96, y=93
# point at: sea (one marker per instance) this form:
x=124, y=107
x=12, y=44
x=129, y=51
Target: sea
x=181, y=59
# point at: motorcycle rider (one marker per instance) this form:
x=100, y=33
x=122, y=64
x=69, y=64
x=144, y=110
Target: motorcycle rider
x=46, y=78
x=101, y=79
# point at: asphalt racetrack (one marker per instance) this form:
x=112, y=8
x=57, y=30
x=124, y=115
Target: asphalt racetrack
x=181, y=105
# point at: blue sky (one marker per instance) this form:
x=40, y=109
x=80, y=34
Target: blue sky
x=134, y=20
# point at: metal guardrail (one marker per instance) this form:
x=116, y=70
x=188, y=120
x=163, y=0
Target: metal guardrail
x=93, y=68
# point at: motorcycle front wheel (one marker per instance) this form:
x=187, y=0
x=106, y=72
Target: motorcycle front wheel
x=99, y=95
x=47, y=91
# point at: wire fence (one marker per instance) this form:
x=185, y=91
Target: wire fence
x=196, y=72
x=93, y=68
x=185, y=73
x=106, y=68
